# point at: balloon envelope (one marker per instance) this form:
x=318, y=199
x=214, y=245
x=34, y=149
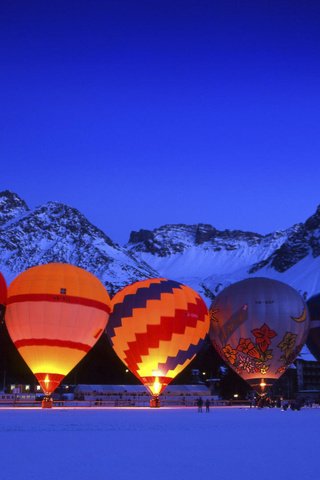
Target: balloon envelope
x=55, y=314
x=156, y=328
x=313, y=340
x=3, y=295
x=258, y=326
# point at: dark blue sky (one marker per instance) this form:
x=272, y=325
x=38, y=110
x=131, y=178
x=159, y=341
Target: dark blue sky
x=141, y=113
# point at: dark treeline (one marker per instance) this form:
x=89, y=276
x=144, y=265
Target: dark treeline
x=102, y=366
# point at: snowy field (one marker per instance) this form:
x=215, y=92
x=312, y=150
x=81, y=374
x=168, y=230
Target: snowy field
x=167, y=443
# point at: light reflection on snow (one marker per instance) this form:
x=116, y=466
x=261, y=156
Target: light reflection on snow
x=129, y=443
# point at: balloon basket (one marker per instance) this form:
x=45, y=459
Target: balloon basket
x=155, y=402
x=262, y=394
x=47, y=402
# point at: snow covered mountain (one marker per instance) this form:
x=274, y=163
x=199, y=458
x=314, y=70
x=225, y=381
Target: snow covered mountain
x=208, y=259
x=297, y=261
x=202, y=256
x=57, y=233
x=199, y=255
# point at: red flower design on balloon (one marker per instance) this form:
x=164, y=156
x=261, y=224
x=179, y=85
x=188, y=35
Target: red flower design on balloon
x=263, y=336
x=246, y=346
x=246, y=364
x=230, y=354
x=287, y=344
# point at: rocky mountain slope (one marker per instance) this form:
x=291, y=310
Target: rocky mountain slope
x=57, y=233
x=199, y=255
x=203, y=256
x=209, y=259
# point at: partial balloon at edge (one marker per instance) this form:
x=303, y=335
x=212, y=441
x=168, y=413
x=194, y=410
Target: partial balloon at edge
x=313, y=340
x=3, y=296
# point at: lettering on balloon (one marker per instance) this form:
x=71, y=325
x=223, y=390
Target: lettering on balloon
x=61, y=298
x=266, y=302
x=234, y=322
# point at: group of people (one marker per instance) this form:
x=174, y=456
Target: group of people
x=266, y=401
x=200, y=405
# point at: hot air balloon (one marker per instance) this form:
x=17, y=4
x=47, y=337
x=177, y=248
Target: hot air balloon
x=313, y=340
x=55, y=314
x=258, y=326
x=3, y=295
x=156, y=327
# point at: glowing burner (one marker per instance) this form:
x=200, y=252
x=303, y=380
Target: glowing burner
x=156, y=387
x=47, y=381
x=262, y=384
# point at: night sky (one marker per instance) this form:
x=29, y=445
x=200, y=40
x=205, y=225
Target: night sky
x=141, y=113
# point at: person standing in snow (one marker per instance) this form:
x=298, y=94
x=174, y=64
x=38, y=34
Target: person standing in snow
x=199, y=403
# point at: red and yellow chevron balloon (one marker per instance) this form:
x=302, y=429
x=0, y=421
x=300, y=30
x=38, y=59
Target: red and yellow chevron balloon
x=55, y=314
x=156, y=327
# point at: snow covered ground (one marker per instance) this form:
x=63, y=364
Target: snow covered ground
x=167, y=443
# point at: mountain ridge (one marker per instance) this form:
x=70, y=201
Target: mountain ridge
x=199, y=255
x=55, y=232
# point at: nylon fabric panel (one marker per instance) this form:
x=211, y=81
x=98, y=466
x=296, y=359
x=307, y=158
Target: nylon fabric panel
x=183, y=341
x=156, y=313
x=55, y=298
x=53, y=277
x=131, y=324
x=164, y=343
x=139, y=321
x=49, y=382
x=170, y=349
x=51, y=359
x=55, y=321
x=179, y=368
x=3, y=290
x=181, y=357
x=168, y=352
x=137, y=296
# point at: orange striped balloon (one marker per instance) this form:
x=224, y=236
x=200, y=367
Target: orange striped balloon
x=156, y=327
x=55, y=314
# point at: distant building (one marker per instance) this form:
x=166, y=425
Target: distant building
x=137, y=395
x=308, y=379
x=286, y=385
